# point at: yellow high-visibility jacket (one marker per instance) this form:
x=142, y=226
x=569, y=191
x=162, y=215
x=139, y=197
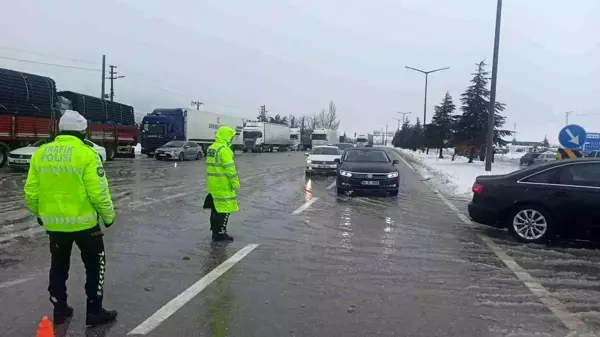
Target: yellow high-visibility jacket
x=221, y=176
x=66, y=186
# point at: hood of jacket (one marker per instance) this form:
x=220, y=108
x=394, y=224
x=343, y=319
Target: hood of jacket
x=225, y=135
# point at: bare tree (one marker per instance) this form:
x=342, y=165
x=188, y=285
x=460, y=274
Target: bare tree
x=328, y=119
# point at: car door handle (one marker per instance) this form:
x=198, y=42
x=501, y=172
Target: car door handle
x=560, y=193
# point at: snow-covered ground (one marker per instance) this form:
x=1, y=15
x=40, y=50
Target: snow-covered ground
x=138, y=148
x=456, y=177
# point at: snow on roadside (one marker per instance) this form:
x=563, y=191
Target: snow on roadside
x=138, y=148
x=454, y=177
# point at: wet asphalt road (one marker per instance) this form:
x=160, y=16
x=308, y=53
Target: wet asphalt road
x=324, y=266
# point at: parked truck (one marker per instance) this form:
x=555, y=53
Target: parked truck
x=266, y=137
x=324, y=137
x=364, y=140
x=30, y=108
x=164, y=125
x=295, y=138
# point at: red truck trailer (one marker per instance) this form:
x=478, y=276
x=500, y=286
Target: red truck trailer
x=20, y=131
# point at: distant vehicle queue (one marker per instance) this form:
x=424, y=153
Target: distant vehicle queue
x=30, y=107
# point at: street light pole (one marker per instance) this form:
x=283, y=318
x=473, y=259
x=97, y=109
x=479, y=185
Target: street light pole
x=489, y=146
x=567, y=114
x=426, y=72
x=399, y=120
x=404, y=115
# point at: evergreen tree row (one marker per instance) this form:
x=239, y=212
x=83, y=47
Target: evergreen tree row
x=463, y=131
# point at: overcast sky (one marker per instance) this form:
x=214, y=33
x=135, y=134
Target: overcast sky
x=296, y=55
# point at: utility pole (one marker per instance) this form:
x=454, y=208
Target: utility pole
x=404, y=115
x=112, y=78
x=567, y=114
x=426, y=76
x=489, y=146
x=102, y=93
x=197, y=104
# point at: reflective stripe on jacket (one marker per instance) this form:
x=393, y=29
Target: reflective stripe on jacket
x=221, y=176
x=66, y=186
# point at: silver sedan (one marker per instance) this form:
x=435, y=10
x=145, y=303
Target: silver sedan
x=180, y=150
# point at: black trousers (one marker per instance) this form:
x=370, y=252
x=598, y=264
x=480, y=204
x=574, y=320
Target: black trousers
x=91, y=245
x=218, y=221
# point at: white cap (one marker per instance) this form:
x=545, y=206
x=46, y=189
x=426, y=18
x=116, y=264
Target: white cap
x=72, y=121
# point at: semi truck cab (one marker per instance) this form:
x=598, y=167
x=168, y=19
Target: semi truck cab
x=162, y=126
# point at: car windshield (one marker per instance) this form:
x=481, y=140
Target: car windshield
x=40, y=142
x=326, y=150
x=174, y=144
x=366, y=156
x=343, y=146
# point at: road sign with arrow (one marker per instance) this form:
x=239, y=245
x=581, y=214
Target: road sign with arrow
x=572, y=136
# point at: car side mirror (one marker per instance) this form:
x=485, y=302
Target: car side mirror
x=337, y=160
x=186, y=147
x=306, y=154
x=395, y=161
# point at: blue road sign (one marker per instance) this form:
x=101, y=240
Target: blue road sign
x=592, y=142
x=572, y=136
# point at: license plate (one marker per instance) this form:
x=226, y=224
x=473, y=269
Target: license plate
x=323, y=166
x=370, y=182
x=19, y=161
x=162, y=154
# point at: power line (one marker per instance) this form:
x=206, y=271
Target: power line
x=48, y=55
x=49, y=64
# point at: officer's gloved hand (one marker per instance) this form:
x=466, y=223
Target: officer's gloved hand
x=39, y=220
x=108, y=224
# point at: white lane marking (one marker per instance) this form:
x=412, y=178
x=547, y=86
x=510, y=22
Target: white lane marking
x=404, y=160
x=305, y=205
x=558, y=308
x=330, y=186
x=175, y=304
x=15, y=282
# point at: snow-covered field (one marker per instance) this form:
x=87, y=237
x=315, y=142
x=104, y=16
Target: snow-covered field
x=456, y=177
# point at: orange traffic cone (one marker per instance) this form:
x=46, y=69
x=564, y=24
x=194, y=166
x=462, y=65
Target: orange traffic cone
x=45, y=328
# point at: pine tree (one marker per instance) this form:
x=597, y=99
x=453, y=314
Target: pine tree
x=440, y=129
x=402, y=138
x=472, y=127
x=416, y=136
x=545, y=142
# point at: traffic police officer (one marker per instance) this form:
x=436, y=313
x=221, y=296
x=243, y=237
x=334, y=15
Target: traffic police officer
x=221, y=182
x=67, y=190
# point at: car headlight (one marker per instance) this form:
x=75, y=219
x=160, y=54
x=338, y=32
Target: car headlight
x=309, y=161
x=346, y=173
x=392, y=175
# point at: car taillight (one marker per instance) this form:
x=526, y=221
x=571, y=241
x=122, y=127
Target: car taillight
x=478, y=189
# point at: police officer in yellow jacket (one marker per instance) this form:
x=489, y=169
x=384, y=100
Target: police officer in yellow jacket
x=221, y=182
x=67, y=190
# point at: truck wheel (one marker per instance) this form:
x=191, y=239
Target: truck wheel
x=3, y=155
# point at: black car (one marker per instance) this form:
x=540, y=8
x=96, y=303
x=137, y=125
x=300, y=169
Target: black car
x=367, y=169
x=529, y=158
x=535, y=204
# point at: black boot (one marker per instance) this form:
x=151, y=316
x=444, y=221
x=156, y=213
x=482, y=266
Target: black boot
x=96, y=315
x=62, y=312
x=222, y=236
